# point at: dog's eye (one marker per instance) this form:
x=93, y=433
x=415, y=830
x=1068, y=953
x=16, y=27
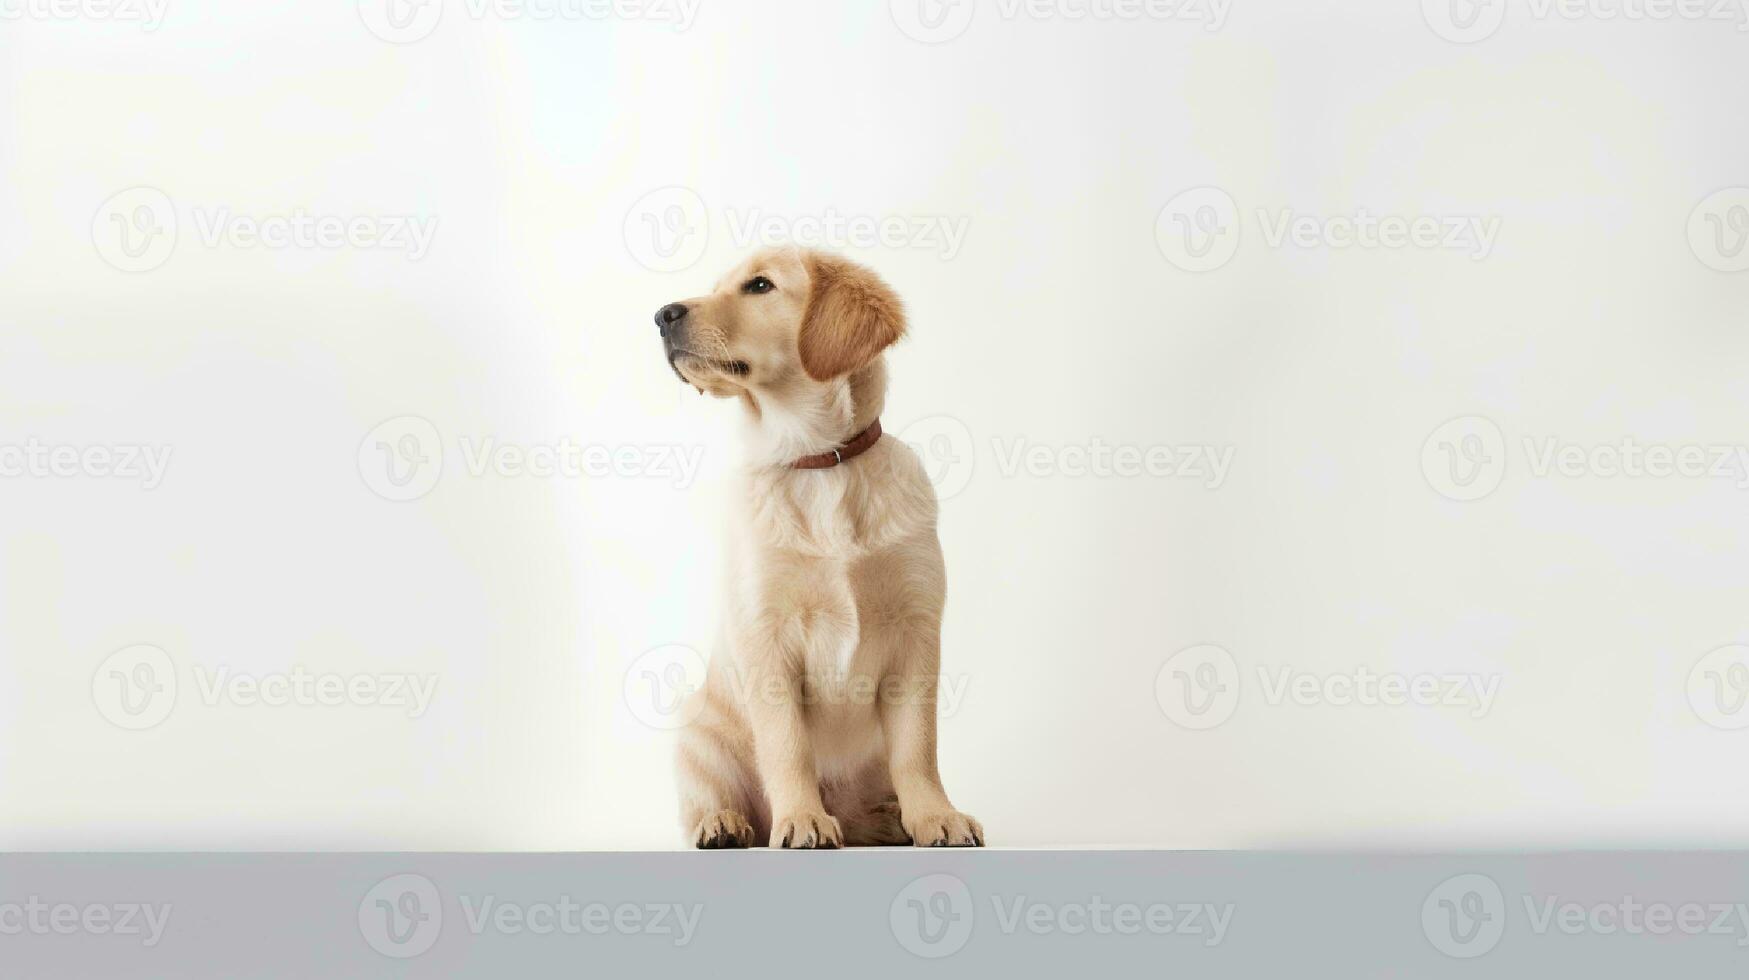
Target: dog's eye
x=757, y=285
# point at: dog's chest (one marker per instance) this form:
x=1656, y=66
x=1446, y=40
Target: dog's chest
x=814, y=520
x=812, y=541
x=831, y=630
x=835, y=514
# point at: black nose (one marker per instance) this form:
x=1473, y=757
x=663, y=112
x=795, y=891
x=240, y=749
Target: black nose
x=669, y=315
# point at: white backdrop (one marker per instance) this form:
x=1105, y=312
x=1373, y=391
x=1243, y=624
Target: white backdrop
x=1387, y=361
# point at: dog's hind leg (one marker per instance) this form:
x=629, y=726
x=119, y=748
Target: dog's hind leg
x=721, y=805
x=868, y=810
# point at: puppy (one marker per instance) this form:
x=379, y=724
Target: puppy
x=816, y=723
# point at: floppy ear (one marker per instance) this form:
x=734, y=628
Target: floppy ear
x=851, y=317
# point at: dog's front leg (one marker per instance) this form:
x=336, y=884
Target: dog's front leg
x=908, y=718
x=785, y=753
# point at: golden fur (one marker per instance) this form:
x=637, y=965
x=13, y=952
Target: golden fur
x=818, y=716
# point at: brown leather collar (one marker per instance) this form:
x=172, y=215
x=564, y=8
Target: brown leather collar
x=857, y=445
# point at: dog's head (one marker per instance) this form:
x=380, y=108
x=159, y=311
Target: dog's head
x=784, y=318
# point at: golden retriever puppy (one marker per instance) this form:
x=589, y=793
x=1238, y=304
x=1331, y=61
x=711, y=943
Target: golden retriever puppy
x=817, y=722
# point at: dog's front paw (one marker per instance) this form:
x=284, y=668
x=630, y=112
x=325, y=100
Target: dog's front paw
x=722, y=829
x=945, y=828
x=816, y=829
